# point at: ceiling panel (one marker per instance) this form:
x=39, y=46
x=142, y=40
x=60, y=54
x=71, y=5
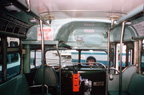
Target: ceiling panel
x=85, y=8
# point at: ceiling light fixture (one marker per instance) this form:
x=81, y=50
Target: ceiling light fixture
x=12, y=8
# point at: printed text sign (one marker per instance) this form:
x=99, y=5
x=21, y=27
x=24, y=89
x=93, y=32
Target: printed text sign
x=48, y=33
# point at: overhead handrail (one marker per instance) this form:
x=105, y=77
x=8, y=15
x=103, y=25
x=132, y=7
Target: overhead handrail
x=28, y=5
x=131, y=14
x=32, y=10
x=128, y=16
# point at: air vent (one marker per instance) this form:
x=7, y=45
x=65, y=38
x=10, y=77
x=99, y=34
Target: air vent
x=12, y=25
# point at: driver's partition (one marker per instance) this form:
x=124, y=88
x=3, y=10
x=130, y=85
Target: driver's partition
x=92, y=80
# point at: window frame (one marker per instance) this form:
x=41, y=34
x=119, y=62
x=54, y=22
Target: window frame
x=5, y=51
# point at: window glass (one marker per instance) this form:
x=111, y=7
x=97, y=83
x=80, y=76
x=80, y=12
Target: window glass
x=32, y=58
x=70, y=57
x=142, y=58
x=13, y=64
x=52, y=58
x=123, y=55
x=90, y=56
x=13, y=42
x=35, y=58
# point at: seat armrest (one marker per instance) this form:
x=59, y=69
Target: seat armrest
x=37, y=89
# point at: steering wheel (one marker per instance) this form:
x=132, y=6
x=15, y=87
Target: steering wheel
x=98, y=63
x=94, y=64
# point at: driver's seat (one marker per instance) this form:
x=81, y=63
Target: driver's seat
x=50, y=79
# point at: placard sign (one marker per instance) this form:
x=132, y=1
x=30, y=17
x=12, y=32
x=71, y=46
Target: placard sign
x=89, y=30
x=48, y=33
x=139, y=28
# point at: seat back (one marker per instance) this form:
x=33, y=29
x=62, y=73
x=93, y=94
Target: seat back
x=15, y=86
x=136, y=86
x=126, y=77
x=127, y=74
x=50, y=77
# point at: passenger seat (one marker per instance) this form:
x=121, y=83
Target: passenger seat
x=50, y=79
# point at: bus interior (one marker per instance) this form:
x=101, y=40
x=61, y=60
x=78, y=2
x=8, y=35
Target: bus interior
x=64, y=47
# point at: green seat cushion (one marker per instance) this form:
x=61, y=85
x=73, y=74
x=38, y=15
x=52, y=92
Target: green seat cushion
x=117, y=93
x=15, y=86
x=136, y=86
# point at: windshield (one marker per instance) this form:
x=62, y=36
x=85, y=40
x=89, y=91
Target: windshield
x=71, y=57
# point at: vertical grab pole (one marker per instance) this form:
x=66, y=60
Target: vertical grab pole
x=136, y=52
x=108, y=64
x=35, y=58
x=79, y=57
x=42, y=54
x=4, y=58
x=139, y=55
x=108, y=58
x=121, y=46
x=21, y=57
x=59, y=68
